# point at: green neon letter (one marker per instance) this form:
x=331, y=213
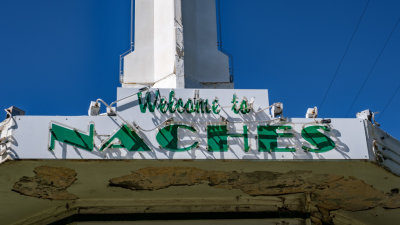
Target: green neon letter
x=171, y=102
x=234, y=106
x=244, y=108
x=268, y=138
x=128, y=140
x=146, y=102
x=215, y=107
x=179, y=106
x=168, y=138
x=189, y=106
x=207, y=107
x=218, y=138
x=312, y=135
x=163, y=106
x=71, y=137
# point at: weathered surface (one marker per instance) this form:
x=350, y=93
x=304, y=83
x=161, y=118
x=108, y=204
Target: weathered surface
x=393, y=200
x=349, y=194
x=159, y=178
x=269, y=183
x=48, y=183
x=328, y=192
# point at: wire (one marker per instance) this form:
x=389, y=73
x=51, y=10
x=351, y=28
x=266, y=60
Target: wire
x=132, y=7
x=344, y=55
x=373, y=66
x=156, y=127
x=268, y=107
x=112, y=110
x=389, y=102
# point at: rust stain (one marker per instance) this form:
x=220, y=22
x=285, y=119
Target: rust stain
x=48, y=183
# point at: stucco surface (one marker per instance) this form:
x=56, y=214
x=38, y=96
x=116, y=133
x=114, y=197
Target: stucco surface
x=325, y=191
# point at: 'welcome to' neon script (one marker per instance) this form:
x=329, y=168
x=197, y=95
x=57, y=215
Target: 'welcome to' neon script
x=152, y=101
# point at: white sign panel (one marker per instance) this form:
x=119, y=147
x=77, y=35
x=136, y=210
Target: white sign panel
x=234, y=127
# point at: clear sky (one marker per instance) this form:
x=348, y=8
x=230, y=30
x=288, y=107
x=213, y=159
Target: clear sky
x=57, y=56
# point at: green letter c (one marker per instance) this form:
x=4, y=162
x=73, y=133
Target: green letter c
x=168, y=138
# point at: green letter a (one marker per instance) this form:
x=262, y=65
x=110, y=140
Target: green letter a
x=128, y=139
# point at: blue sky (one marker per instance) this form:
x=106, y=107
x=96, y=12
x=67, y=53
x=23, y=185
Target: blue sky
x=57, y=56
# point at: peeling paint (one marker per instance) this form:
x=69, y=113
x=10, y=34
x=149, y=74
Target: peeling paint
x=328, y=192
x=48, y=183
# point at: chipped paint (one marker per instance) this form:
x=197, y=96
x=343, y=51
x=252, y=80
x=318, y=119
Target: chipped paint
x=48, y=183
x=212, y=187
x=328, y=192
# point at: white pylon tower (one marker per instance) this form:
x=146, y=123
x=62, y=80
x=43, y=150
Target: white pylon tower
x=176, y=46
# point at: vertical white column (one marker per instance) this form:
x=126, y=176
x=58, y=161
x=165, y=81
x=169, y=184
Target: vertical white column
x=205, y=65
x=176, y=46
x=153, y=60
x=180, y=47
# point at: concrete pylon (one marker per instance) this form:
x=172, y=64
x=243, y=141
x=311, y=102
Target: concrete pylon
x=176, y=46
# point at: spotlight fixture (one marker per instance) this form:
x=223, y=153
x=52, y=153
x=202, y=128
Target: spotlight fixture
x=111, y=111
x=276, y=109
x=312, y=112
x=94, y=108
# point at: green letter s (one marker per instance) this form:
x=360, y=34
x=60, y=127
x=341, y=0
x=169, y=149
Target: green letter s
x=312, y=135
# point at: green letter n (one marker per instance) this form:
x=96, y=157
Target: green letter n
x=71, y=136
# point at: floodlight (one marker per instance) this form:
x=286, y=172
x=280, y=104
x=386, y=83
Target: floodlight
x=111, y=111
x=312, y=112
x=276, y=109
x=94, y=108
